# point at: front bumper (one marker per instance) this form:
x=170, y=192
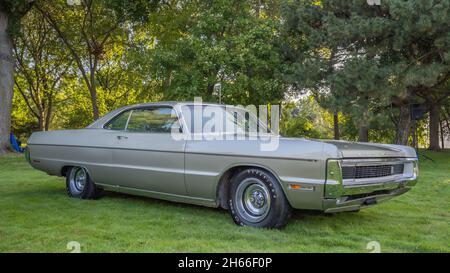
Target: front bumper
x=371, y=196
x=342, y=196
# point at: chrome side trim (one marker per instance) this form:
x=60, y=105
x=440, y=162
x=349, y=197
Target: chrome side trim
x=167, y=151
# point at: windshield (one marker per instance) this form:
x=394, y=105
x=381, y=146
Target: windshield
x=221, y=119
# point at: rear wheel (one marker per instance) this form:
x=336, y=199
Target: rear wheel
x=80, y=185
x=257, y=199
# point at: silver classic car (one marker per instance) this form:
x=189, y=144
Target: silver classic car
x=159, y=150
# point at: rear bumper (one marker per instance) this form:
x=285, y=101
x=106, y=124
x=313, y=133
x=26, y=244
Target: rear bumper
x=369, y=195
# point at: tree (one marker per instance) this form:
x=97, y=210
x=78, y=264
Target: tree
x=11, y=11
x=41, y=64
x=305, y=118
x=43, y=57
x=91, y=29
x=435, y=101
x=445, y=122
x=86, y=31
x=383, y=56
x=201, y=43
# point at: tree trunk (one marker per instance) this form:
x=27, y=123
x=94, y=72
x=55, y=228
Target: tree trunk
x=41, y=122
x=336, y=125
x=434, y=127
x=415, y=143
x=48, y=115
x=363, y=134
x=404, y=124
x=441, y=129
x=93, y=91
x=6, y=82
x=167, y=82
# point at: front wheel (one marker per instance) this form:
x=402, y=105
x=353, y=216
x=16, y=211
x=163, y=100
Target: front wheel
x=80, y=185
x=257, y=199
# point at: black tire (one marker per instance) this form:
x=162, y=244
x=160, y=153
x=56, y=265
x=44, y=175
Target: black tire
x=77, y=189
x=256, y=199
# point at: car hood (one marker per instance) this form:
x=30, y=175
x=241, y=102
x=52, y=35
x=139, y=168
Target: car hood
x=361, y=150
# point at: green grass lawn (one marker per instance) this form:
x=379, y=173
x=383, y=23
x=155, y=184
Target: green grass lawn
x=37, y=216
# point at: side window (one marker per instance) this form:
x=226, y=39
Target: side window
x=152, y=120
x=119, y=122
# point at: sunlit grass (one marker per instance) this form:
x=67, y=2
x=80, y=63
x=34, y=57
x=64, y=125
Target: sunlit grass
x=37, y=216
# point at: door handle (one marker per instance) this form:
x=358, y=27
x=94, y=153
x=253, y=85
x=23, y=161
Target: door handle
x=122, y=137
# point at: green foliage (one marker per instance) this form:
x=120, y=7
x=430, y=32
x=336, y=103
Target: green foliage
x=137, y=11
x=16, y=10
x=22, y=122
x=361, y=59
x=218, y=41
x=305, y=118
x=105, y=32
x=43, y=68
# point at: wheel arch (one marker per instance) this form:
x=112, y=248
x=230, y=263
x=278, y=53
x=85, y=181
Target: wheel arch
x=225, y=178
x=66, y=168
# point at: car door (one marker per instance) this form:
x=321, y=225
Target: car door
x=149, y=155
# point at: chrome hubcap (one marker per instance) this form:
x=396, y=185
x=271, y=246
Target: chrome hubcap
x=79, y=179
x=252, y=200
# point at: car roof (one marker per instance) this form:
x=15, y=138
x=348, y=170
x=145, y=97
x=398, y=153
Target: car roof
x=170, y=103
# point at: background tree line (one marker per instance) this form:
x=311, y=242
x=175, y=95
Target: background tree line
x=341, y=69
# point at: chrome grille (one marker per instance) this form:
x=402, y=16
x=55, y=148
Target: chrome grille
x=371, y=171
